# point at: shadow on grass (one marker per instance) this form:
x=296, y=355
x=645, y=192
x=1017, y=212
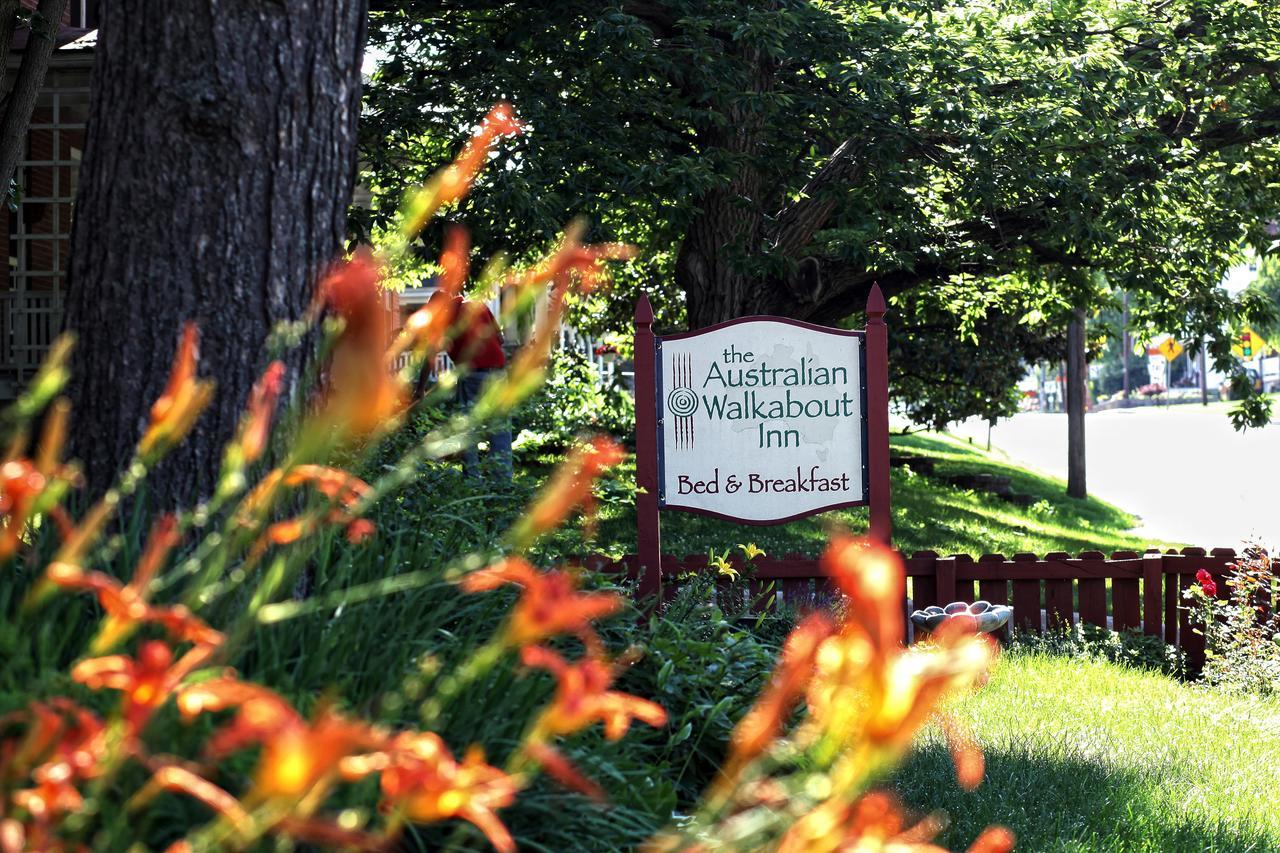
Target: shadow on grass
x=1071, y=804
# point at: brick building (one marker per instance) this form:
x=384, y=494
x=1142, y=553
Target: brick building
x=37, y=233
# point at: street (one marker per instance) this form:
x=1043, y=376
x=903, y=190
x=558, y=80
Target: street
x=1183, y=470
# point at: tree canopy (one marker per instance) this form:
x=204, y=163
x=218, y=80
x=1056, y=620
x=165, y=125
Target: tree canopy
x=779, y=157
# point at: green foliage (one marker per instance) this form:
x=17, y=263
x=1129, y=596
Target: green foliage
x=779, y=157
x=949, y=361
x=573, y=402
x=1129, y=647
x=705, y=661
x=1267, y=288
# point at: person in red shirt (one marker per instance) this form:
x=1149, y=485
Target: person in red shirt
x=476, y=349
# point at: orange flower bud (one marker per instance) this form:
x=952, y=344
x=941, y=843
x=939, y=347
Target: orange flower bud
x=184, y=398
x=262, y=403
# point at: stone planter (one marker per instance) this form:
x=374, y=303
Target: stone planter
x=987, y=617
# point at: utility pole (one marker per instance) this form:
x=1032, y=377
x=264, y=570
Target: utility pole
x=1126, y=345
x=1204, y=380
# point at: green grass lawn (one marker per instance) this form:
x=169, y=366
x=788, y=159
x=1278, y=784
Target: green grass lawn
x=1091, y=756
x=928, y=514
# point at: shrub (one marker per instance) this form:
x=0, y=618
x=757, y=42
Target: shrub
x=1242, y=635
x=572, y=402
x=1129, y=647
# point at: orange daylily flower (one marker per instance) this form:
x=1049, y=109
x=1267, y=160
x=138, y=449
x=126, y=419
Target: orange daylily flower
x=26, y=485
x=874, y=824
x=454, y=182
x=58, y=732
x=256, y=426
x=423, y=781
x=350, y=289
x=763, y=723
x=869, y=693
x=20, y=484
x=183, y=399
x=365, y=395
x=866, y=695
x=572, y=263
x=343, y=490
x=550, y=604
x=583, y=697
x=62, y=745
x=299, y=757
x=126, y=604
x=146, y=681
x=569, y=487
x=426, y=330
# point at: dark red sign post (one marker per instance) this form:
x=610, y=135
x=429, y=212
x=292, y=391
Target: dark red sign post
x=881, y=528
x=649, y=498
x=648, y=529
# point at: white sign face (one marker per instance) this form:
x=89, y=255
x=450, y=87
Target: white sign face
x=761, y=420
x=1156, y=365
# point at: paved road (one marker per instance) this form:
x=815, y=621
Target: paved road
x=1184, y=471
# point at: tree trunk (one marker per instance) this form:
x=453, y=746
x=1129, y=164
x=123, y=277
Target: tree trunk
x=1077, y=399
x=729, y=225
x=219, y=164
x=21, y=101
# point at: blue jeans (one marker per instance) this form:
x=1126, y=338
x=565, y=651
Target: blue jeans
x=499, y=438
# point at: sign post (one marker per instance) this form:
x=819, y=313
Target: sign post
x=759, y=420
x=649, y=534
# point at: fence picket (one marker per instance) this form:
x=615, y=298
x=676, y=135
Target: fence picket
x=1093, y=590
x=945, y=577
x=924, y=586
x=1059, y=596
x=1152, y=593
x=1026, y=595
x=994, y=591
x=1145, y=591
x=964, y=578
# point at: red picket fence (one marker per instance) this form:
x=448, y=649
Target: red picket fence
x=1125, y=590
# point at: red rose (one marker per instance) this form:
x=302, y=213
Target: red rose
x=1207, y=585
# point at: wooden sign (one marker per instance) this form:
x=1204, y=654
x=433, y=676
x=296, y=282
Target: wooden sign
x=760, y=420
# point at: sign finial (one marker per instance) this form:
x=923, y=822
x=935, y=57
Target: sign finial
x=644, y=311
x=875, y=302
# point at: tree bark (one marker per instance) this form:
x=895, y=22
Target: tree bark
x=219, y=163
x=728, y=227
x=1077, y=399
x=21, y=101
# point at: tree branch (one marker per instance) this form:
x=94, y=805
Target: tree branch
x=796, y=224
x=845, y=287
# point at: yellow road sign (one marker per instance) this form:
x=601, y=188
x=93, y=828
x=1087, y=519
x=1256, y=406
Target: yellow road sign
x=1170, y=349
x=1249, y=345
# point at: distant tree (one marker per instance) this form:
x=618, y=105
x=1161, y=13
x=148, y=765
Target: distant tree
x=1267, y=287
x=218, y=168
x=42, y=29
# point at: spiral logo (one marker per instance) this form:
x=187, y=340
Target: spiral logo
x=682, y=402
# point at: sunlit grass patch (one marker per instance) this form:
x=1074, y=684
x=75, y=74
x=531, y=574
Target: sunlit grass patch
x=928, y=513
x=1088, y=755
